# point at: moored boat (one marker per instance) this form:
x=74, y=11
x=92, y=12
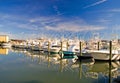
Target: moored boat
x=6, y=45
x=105, y=55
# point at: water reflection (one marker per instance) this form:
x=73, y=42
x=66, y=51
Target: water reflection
x=3, y=51
x=67, y=69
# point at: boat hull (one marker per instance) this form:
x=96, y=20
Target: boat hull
x=105, y=56
x=68, y=53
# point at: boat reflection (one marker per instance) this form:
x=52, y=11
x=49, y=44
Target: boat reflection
x=100, y=71
x=18, y=50
x=104, y=70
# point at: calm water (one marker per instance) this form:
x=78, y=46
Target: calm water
x=18, y=66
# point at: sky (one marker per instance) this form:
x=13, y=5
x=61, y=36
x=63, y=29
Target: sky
x=25, y=19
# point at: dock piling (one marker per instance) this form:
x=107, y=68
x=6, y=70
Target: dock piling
x=61, y=45
x=40, y=45
x=110, y=49
x=80, y=44
x=48, y=46
x=98, y=45
x=67, y=45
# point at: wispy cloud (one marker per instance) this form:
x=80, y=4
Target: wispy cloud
x=9, y=34
x=56, y=10
x=73, y=27
x=96, y=3
x=44, y=25
x=44, y=20
x=17, y=22
x=115, y=10
x=104, y=21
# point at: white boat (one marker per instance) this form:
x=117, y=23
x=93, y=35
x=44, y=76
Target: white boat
x=73, y=49
x=44, y=46
x=35, y=48
x=6, y=45
x=55, y=49
x=105, y=54
x=22, y=46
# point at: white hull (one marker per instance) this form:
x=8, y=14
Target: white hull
x=36, y=48
x=6, y=45
x=20, y=46
x=105, y=56
x=55, y=50
x=45, y=49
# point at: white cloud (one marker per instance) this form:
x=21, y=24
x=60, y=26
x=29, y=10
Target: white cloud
x=20, y=35
x=96, y=3
x=44, y=25
x=73, y=27
x=19, y=22
x=32, y=20
x=44, y=19
x=104, y=21
x=115, y=10
x=9, y=34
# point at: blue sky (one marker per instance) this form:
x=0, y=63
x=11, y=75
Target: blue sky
x=55, y=18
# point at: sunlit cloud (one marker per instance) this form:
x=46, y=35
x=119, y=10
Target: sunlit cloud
x=8, y=33
x=46, y=25
x=44, y=19
x=17, y=22
x=96, y=3
x=74, y=27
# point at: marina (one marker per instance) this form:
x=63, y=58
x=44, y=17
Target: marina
x=51, y=60
x=59, y=41
x=35, y=67
x=100, y=50
x=68, y=60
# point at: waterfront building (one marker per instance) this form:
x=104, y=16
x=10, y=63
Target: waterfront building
x=4, y=38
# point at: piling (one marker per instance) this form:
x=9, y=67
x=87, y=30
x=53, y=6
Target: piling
x=61, y=46
x=32, y=47
x=67, y=45
x=48, y=46
x=110, y=51
x=80, y=44
x=98, y=45
x=40, y=45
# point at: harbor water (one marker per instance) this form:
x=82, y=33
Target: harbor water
x=25, y=66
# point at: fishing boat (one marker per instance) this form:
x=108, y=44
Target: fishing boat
x=51, y=47
x=44, y=46
x=55, y=49
x=105, y=54
x=6, y=45
x=73, y=49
